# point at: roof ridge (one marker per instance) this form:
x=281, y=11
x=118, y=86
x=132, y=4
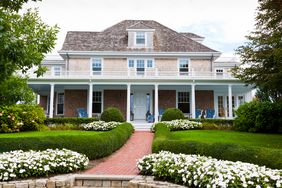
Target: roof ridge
x=139, y=22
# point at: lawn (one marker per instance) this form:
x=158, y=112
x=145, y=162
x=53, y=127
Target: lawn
x=232, y=137
x=94, y=144
x=261, y=149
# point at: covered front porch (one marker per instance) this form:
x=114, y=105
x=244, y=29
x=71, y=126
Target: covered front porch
x=138, y=100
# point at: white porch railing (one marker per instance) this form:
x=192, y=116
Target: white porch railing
x=132, y=74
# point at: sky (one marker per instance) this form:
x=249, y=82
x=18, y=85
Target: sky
x=223, y=23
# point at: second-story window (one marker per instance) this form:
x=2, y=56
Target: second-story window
x=57, y=70
x=140, y=67
x=183, y=66
x=140, y=38
x=219, y=72
x=150, y=63
x=96, y=66
x=131, y=63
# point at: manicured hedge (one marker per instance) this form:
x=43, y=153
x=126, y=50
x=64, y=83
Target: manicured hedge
x=219, y=122
x=262, y=156
x=71, y=120
x=93, y=146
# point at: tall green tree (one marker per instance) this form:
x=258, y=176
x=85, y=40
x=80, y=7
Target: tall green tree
x=15, y=89
x=261, y=56
x=24, y=39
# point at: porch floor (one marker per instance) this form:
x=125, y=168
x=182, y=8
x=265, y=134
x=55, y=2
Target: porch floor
x=141, y=125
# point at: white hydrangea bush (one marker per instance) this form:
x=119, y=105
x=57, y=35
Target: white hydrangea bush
x=100, y=126
x=201, y=171
x=180, y=124
x=19, y=164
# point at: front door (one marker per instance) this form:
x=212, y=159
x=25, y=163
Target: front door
x=140, y=105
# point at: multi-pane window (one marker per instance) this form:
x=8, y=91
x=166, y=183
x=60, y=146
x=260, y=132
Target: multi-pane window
x=60, y=103
x=220, y=106
x=140, y=66
x=96, y=66
x=149, y=63
x=183, y=66
x=57, y=71
x=140, y=38
x=184, y=102
x=130, y=63
x=97, y=102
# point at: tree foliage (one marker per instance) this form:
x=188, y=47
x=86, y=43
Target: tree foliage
x=24, y=39
x=15, y=89
x=261, y=56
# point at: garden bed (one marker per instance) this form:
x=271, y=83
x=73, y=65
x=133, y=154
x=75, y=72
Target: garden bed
x=94, y=144
x=261, y=149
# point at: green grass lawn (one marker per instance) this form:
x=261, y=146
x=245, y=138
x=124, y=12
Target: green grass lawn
x=232, y=137
x=50, y=133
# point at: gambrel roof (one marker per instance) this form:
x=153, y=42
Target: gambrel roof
x=115, y=38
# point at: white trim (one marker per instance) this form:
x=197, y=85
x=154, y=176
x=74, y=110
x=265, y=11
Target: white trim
x=140, y=30
x=188, y=61
x=136, y=54
x=51, y=112
x=141, y=58
x=54, y=72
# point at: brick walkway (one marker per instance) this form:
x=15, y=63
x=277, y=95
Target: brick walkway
x=123, y=161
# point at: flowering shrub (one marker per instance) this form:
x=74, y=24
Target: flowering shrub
x=20, y=164
x=201, y=171
x=100, y=125
x=21, y=117
x=180, y=124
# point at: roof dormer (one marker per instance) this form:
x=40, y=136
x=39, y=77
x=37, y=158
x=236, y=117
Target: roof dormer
x=140, y=36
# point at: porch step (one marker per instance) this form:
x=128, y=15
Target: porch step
x=84, y=181
x=140, y=127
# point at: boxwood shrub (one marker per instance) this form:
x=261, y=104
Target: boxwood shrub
x=227, y=151
x=172, y=114
x=69, y=120
x=93, y=146
x=112, y=114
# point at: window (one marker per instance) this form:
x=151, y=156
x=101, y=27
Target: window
x=57, y=70
x=184, y=102
x=140, y=66
x=131, y=63
x=219, y=72
x=183, y=66
x=60, y=103
x=97, y=102
x=220, y=106
x=241, y=100
x=96, y=66
x=140, y=38
x=149, y=63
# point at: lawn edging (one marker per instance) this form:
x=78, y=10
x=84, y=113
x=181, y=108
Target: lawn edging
x=271, y=158
x=93, y=146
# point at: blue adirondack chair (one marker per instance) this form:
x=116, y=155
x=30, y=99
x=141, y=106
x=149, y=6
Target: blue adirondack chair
x=198, y=113
x=82, y=113
x=210, y=113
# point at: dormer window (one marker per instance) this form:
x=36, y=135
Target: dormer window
x=140, y=38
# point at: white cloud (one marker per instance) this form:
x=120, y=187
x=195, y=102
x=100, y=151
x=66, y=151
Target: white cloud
x=221, y=22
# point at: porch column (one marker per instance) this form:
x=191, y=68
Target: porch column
x=128, y=103
x=37, y=99
x=230, y=112
x=156, y=103
x=90, y=100
x=51, y=105
x=193, y=102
